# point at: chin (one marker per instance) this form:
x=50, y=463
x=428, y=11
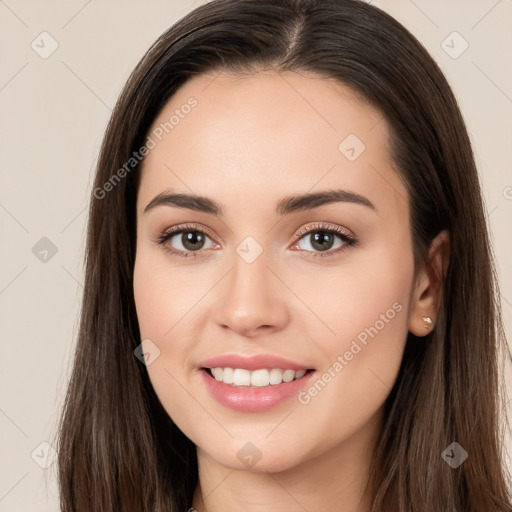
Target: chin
x=256, y=457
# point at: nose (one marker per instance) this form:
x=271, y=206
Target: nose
x=251, y=300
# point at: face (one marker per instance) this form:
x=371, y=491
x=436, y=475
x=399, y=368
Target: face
x=272, y=277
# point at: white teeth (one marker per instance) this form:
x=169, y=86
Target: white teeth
x=256, y=378
x=276, y=376
x=300, y=373
x=241, y=377
x=260, y=378
x=227, y=376
x=288, y=375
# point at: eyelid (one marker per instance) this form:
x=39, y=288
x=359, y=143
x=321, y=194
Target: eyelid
x=324, y=226
x=184, y=227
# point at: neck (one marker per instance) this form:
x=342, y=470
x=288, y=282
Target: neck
x=334, y=480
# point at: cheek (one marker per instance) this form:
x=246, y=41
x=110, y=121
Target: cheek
x=160, y=301
x=367, y=293
x=170, y=313
x=163, y=295
x=367, y=316
x=148, y=297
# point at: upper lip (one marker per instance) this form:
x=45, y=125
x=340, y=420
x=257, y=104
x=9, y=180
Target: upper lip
x=255, y=362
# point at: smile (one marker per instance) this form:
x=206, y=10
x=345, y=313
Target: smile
x=240, y=377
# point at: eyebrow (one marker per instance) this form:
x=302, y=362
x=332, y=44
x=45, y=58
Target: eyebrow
x=285, y=206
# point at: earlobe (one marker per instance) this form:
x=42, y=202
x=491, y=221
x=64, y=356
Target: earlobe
x=429, y=288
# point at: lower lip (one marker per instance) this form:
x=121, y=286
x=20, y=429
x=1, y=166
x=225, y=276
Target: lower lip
x=253, y=399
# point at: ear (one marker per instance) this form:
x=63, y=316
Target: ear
x=428, y=290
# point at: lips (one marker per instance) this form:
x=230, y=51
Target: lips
x=255, y=383
x=251, y=363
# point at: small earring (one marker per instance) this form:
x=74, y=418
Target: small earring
x=428, y=321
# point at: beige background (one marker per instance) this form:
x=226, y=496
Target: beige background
x=54, y=111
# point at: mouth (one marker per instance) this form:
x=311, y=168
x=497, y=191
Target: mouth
x=259, y=378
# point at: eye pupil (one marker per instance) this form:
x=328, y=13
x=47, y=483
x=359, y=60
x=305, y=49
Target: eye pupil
x=322, y=240
x=192, y=240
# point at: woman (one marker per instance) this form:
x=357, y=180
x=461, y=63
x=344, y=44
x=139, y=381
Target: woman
x=290, y=300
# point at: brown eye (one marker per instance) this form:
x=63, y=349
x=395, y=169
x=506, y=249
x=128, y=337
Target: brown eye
x=191, y=240
x=322, y=240
x=326, y=239
x=185, y=241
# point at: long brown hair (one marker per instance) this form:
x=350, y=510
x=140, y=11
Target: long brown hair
x=118, y=448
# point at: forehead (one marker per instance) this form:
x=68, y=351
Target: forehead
x=265, y=133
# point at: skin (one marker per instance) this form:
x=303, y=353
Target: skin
x=262, y=137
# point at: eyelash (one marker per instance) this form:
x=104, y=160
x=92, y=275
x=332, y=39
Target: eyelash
x=349, y=241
